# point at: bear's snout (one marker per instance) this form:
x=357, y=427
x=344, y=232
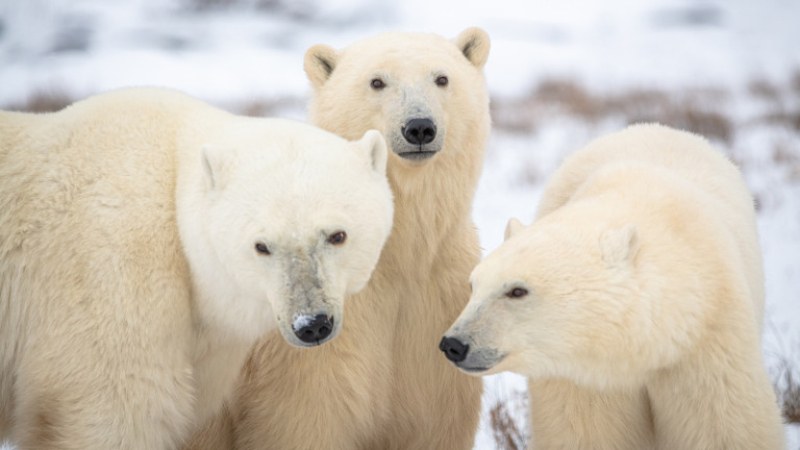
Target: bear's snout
x=419, y=131
x=313, y=329
x=455, y=350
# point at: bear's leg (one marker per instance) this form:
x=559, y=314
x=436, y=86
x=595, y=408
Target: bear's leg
x=717, y=399
x=88, y=384
x=122, y=410
x=565, y=416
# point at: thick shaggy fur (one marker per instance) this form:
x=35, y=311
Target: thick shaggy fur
x=130, y=289
x=634, y=302
x=382, y=383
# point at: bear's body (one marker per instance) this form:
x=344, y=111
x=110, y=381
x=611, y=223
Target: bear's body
x=634, y=302
x=381, y=384
x=130, y=285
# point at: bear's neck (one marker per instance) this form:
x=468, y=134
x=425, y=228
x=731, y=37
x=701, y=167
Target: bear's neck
x=433, y=205
x=218, y=359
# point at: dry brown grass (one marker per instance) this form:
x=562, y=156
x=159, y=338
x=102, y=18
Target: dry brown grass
x=43, y=101
x=268, y=108
x=506, y=432
x=54, y=100
x=787, y=389
x=790, y=398
x=698, y=110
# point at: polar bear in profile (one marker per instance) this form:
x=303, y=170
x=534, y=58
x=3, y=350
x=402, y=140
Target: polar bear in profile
x=148, y=239
x=634, y=302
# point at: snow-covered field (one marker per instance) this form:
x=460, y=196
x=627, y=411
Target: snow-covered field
x=730, y=68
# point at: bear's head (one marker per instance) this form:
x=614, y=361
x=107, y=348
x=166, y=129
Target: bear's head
x=427, y=94
x=288, y=220
x=556, y=299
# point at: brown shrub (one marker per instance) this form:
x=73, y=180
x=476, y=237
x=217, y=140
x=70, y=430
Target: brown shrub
x=269, y=107
x=43, y=101
x=696, y=110
x=764, y=89
x=506, y=433
x=787, y=388
x=790, y=398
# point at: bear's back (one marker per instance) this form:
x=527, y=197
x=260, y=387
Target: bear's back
x=97, y=175
x=683, y=155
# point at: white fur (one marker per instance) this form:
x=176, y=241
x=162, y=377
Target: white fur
x=640, y=327
x=382, y=383
x=130, y=289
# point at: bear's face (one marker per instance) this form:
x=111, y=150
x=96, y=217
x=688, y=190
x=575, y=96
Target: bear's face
x=296, y=225
x=412, y=87
x=551, y=301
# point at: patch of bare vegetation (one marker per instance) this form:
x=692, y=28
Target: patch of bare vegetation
x=508, y=422
x=785, y=374
x=698, y=110
x=506, y=432
x=787, y=387
x=790, y=398
x=55, y=100
x=43, y=102
x=280, y=107
x=782, y=101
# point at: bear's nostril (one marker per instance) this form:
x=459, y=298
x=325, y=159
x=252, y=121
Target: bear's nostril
x=315, y=329
x=455, y=350
x=419, y=131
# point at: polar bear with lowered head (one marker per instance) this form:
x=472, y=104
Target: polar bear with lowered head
x=148, y=239
x=634, y=302
x=382, y=383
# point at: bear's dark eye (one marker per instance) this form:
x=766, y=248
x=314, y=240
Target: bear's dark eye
x=442, y=81
x=377, y=84
x=262, y=248
x=517, y=292
x=337, y=238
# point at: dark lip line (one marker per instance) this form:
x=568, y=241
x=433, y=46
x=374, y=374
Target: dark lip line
x=482, y=368
x=417, y=154
x=474, y=369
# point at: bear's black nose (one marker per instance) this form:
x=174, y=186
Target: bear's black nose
x=316, y=329
x=454, y=349
x=419, y=131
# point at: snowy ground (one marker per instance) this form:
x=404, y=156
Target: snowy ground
x=737, y=59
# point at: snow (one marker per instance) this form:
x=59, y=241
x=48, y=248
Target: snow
x=301, y=321
x=232, y=56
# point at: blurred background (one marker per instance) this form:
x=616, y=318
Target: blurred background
x=560, y=73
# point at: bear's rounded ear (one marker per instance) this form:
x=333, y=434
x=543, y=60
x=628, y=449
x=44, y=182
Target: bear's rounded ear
x=512, y=227
x=474, y=44
x=373, y=148
x=319, y=62
x=619, y=245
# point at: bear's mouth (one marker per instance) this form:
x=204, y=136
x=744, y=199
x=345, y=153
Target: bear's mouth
x=417, y=155
x=477, y=369
x=481, y=361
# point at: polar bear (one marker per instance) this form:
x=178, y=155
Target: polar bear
x=148, y=239
x=382, y=384
x=633, y=302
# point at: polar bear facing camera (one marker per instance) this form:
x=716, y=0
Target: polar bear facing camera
x=148, y=239
x=633, y=303
x=382, y=384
